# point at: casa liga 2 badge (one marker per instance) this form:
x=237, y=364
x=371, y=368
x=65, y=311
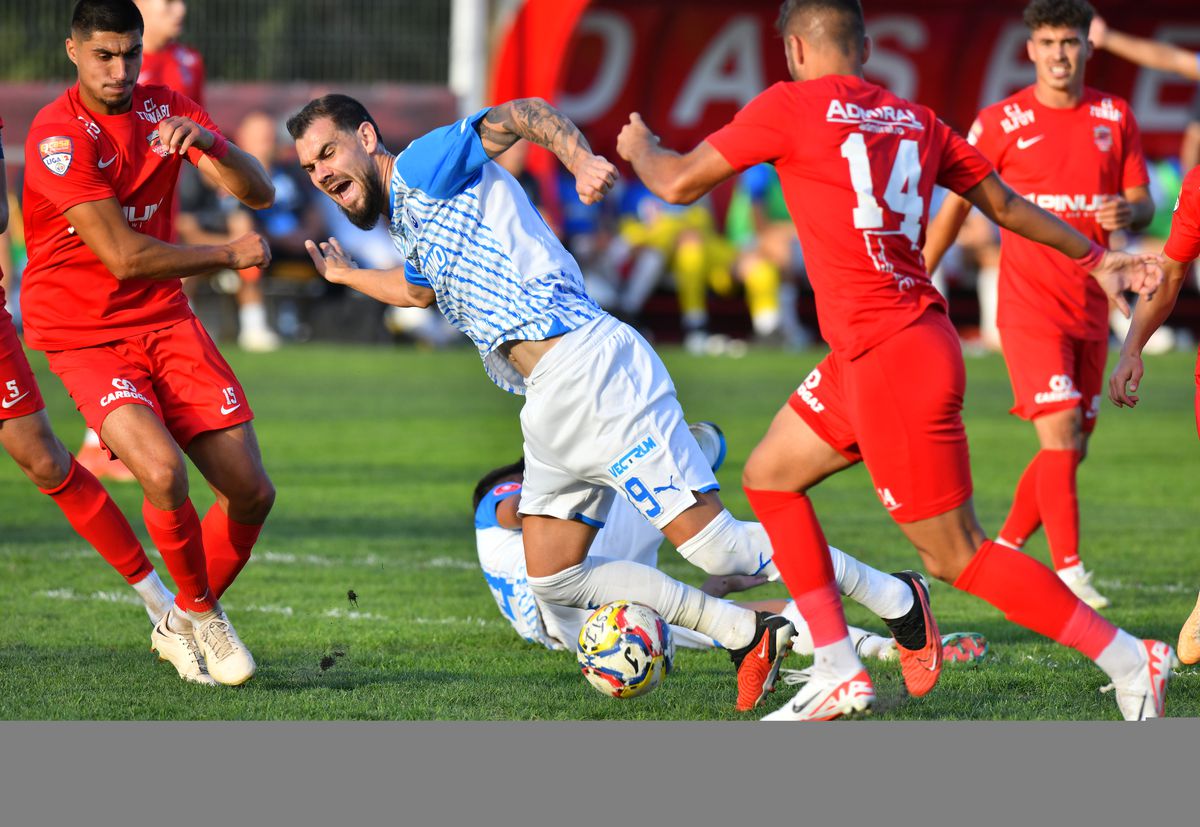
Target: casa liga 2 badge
x=56, y=153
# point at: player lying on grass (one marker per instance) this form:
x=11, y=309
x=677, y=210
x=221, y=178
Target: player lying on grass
x=626, y=536
x=601, y=418
x=1182, y=248
x=858, y=175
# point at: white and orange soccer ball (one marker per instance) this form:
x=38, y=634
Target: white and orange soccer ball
x=625, y=649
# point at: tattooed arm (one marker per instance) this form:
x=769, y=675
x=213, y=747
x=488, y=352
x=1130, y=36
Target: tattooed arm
x=538, y=122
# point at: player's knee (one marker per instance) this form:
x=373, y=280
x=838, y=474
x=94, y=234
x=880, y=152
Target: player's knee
x=563, y=588
x=47, y=468
x=259, y=498
x=165, y=483
x=728, y=546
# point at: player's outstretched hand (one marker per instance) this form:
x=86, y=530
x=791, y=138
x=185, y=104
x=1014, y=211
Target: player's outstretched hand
x=250, y=250
x=594, y=177
x=330, y=259
x=1126, y=377
x=1121, y=272
x=720, y=585
x=179, y=134
x=634, y=137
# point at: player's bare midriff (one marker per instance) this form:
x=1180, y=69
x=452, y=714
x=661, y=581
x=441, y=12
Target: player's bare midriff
x=524, y=355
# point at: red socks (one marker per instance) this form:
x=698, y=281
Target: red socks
x=802, y=557
x=1047, y=495
x=177, y=534
x=227, y=546
x=95, y=517
x=1033, y=596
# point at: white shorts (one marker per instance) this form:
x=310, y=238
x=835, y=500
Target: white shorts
x=601, y=418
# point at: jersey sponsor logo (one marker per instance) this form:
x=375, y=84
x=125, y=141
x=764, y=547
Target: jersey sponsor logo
x=1015, y=118
x=633, y=456
x=1062, y=204
x=56, y=153
x=889, y=119
x=1106, y=110
x=805, y=391
x=152, y=112
x=125, y=389
x=1062, y=389
x=137, y=215
x=1025, y=143
x=1103, y=136
x=156, y=145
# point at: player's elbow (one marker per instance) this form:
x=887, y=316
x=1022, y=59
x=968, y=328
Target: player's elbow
x=261, y=196
x=680, y=191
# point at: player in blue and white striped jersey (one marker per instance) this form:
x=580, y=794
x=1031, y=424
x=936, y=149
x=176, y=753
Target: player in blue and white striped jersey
x=601, y=416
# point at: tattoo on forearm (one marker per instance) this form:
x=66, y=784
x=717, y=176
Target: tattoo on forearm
x=537, y=121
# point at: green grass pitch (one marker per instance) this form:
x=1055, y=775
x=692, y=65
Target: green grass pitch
x=375, y=452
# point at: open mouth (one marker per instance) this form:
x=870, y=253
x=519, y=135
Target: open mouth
x=341, y=189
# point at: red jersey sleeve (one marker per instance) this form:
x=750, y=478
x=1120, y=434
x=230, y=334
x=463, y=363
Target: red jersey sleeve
x=62, y=166
x=1184, y=243
x=761, y=132
x=962, y=166
x=1133, y=173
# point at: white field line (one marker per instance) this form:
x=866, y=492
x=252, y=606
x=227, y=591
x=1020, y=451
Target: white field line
x=281, y=558
x=131, y=599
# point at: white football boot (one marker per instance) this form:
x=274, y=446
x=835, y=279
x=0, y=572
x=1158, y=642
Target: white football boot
x=227, y=658
x=823, y=698
x=1079, y=581
x=1144, y=694
x=181, y=651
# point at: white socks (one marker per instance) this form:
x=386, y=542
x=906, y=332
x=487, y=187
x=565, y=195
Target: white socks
x=888, y=597
x=597, y=581
x=252, y=316
x=154, y=594
x=1122, y=657
x=729, y=546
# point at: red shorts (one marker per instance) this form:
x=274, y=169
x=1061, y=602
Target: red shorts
x=177, y=371
x=898, y=408
x=1198, y=391
x=1051, y=372
x=19, y=394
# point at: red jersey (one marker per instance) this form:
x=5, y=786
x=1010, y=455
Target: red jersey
x=176, y=67
x=68, y=298
x=1067, y=161
x=1184, y=243
x=857, y=165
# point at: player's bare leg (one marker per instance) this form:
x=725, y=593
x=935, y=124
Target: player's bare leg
x=560, y=571
x=195, y=635
x=87, y=506
x=92, y=457
x=231, y=463
x=1046, y=495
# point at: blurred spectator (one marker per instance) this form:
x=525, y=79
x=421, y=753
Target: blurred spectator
x=770, y=262
x=293, y=218
x=165, y=60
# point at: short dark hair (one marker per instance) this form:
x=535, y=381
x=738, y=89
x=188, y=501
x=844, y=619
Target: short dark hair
x=91, y=16
x=1074, y=14
x=345, y=112
x=849, y=31
x=491, y=478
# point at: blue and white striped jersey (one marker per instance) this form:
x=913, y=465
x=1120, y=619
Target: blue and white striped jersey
x=468, y=231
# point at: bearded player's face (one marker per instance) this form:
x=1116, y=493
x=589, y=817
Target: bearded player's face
x=108, y=64
x=339, y=164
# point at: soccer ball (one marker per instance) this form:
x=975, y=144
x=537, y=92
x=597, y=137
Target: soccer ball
x=625, y=649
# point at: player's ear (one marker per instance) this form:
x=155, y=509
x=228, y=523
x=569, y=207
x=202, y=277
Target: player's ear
x=70, y=44
x=1029, y=51
x=368, y=137
x=866, y=49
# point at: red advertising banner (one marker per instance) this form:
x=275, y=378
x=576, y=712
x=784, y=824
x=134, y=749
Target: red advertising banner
x=687, y=67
